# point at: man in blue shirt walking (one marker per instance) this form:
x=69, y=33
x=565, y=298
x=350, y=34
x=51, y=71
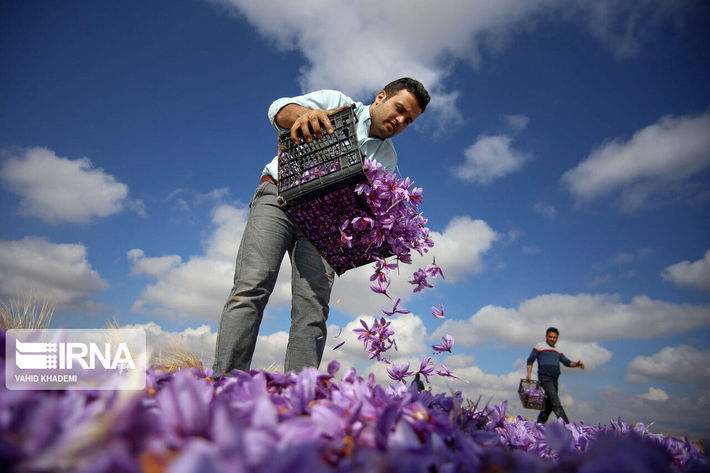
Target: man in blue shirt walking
x=548, y=371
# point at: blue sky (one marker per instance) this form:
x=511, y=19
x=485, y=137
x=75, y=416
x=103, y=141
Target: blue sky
x=565, y=163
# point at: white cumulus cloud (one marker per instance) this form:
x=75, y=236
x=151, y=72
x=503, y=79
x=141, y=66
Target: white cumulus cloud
x=161, y=343
x=490, y=158
x=358, y=47
x=580, y=318
x=197, y=287
x=681, y=364
x=656, y=160
x=59, y=271
x=57, y=190
x=655, y=394
x=685, y=273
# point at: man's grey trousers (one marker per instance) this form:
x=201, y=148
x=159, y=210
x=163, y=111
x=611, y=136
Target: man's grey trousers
x=268, y=235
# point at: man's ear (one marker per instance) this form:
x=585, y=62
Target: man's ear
x=381, y=95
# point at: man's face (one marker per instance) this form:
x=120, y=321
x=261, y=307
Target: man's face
x=552, y=338
x=392, y=114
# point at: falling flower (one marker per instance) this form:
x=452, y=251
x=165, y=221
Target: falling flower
x=447, y=373
x=438, y=313
x=433, y=270
x=420, y=280
x=447, y=341
x=380, y=287
x=396, y=310
x=376, y=339
x=382, y=269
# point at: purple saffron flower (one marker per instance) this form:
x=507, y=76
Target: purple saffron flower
x=396, y=310
x=183, y=405
x=447, y=373
x=433, y=270
x=426, y=368
x=365, y=333
x=382, y=270
x=380, y=287
x=438, y=313
x=420, y=280
x=363, y=223
x=376, y=339
x=447, y=341
x=345, y=239
x=398, y=373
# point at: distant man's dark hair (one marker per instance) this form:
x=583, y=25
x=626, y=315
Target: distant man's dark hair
x=411, y=85
x=552, y=329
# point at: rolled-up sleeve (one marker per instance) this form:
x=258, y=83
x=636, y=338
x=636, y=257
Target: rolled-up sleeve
x=323, y=99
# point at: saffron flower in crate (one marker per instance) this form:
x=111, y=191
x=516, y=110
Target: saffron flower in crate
x=533, y=393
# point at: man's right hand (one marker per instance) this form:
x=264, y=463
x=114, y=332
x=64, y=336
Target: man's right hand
x=527, y=377
x=309, y=121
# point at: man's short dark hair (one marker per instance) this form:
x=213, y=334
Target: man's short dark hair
x=411, y=85
x=552, y=329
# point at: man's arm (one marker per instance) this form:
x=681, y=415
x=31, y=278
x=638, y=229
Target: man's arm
x=572, y=364
x=308, y=113
x=531, y=359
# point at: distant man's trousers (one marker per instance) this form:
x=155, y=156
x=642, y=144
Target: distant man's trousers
x=552, y=402
x=268, y=235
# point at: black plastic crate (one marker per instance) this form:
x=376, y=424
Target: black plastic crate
x=536, y=401
x=317, y=191
x=325, y=164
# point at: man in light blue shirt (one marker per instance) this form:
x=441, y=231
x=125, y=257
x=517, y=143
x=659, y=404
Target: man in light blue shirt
x=269, y=234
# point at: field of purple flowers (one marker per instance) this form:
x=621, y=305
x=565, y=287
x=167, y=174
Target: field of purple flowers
x=308, y=422
x=260, y=421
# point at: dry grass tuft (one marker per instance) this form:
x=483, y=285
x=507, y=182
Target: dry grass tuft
x=168, y=357
x=174, y=358
x=28, y=312
x=274, y=367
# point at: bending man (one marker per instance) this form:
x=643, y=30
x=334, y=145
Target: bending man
x=269, y=234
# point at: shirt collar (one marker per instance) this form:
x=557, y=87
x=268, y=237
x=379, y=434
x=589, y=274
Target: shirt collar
x=363, y=123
